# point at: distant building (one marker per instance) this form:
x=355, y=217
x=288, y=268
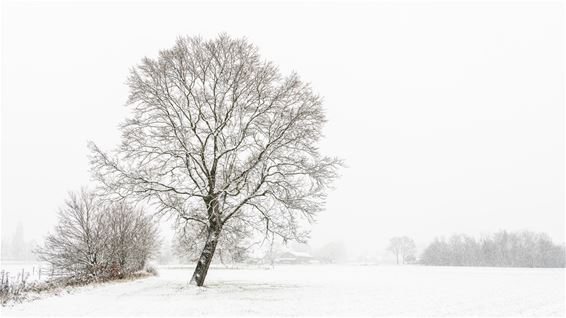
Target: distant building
x=255, y=260
x=291, y=257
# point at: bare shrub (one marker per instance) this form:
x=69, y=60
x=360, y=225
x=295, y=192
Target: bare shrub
x=77, y=245
x=94, y=239
x=152, y=270
x=132, y=238
x=12, y=289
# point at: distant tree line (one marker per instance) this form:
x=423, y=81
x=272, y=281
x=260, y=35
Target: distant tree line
x=502, y=249
x=94, y=239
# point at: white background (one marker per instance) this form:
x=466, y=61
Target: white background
x=449, y=115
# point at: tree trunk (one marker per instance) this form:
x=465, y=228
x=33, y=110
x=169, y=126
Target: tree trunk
x=397, y=255
x=205, y=257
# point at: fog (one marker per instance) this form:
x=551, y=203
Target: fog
x=449, y=116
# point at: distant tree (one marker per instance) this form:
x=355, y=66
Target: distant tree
x=333, y=252
x=502, y=249
x=402, y=246
x=395, y=247
x=17, y=248
x=272, y=251
x=18, y=243
x=217, y=135
x=166, y=254
x=409, y=250
x=436, y=253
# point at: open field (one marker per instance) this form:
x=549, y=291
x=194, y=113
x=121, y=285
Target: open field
x=318, y=290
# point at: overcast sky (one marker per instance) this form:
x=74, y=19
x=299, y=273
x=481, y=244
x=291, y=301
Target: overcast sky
x=449, y=116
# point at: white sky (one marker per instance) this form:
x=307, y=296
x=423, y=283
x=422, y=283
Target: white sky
x=450, y=116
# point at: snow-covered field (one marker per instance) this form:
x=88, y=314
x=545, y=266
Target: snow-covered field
x=318, y=290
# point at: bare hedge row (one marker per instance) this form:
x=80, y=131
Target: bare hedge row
x=96, y=239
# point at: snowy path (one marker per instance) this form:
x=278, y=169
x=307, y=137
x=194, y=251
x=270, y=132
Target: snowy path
x=319, y=290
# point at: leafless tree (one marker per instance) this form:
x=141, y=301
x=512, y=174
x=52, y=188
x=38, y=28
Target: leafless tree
x=131, y=238
x=77, y=245
x=402, y=246
x=271, y=251
x=94, y=238
x=217, y=135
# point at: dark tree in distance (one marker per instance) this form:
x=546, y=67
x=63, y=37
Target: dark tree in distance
x=217, y=137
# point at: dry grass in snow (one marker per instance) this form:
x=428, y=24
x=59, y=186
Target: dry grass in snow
x=318, y=290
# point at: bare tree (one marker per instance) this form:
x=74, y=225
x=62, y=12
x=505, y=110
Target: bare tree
x=217, y=135
x=271, y=251
x=402, y=246
x=94, y=239
x=333, y=252
x=131, y=238
x=77, y=245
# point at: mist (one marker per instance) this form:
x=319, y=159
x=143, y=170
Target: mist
x=449, y=118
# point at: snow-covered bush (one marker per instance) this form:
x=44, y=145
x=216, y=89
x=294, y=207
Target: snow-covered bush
x=96, y=239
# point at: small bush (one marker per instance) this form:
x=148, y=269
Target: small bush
x=12, y=290
x=152, y=270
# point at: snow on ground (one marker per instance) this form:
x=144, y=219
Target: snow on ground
x=334, y=290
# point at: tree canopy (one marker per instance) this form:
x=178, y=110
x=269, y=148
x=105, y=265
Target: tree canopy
x=220, y=139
